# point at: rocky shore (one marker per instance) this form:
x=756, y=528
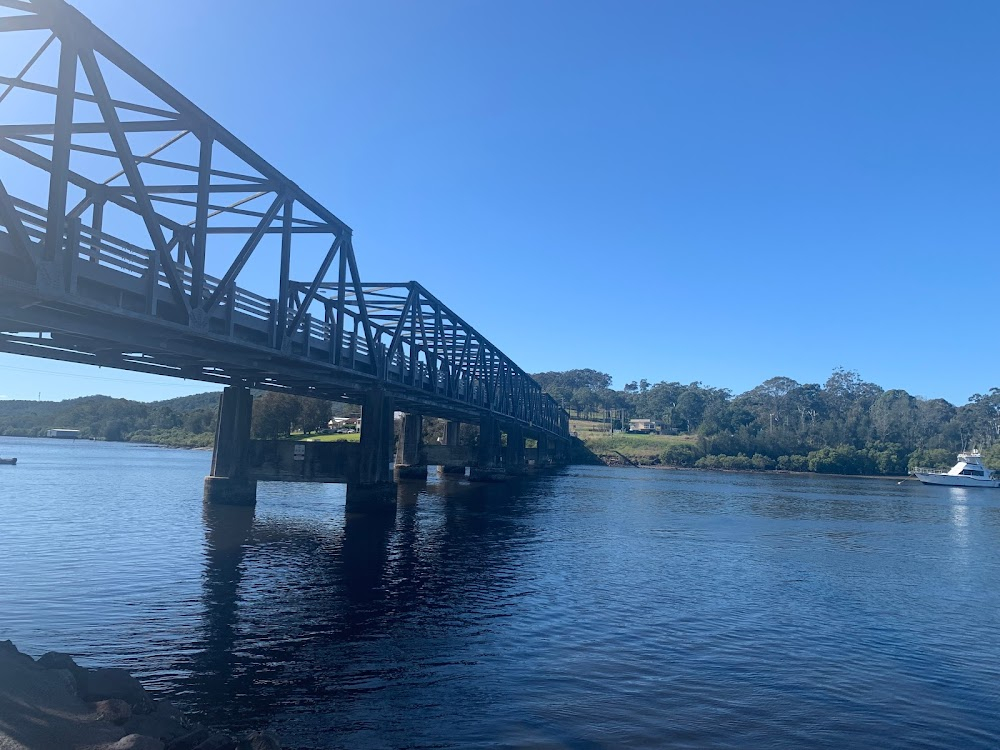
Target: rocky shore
x=53, y=704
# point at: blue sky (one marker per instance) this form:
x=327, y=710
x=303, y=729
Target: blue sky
x=713, y=191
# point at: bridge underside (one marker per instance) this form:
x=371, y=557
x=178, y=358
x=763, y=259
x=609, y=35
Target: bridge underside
x=131, y=223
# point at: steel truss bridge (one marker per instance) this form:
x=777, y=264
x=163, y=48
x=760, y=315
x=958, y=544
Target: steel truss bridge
x=128, y=217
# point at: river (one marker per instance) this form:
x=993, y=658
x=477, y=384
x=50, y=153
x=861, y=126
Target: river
x=589, y=608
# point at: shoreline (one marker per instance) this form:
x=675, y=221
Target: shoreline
x=52, y=702
x=894, y=477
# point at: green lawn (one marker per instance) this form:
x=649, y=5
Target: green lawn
x=350, y=437
x=641, y=448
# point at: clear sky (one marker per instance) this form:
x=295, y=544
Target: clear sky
x=696, y=190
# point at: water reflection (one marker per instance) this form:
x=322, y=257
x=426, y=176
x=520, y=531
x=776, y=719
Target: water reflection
x=302, y=609
x=599, y=608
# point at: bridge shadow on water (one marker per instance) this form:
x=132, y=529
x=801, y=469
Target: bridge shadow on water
x=308, y=614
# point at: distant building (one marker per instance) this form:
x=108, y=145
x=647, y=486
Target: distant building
x=643, y=425
x=65, y=434
x=345, y=424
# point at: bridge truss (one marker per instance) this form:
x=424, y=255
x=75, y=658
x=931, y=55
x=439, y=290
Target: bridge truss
x=128, y=217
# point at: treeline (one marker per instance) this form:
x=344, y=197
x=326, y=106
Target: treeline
x=185, y=422
x=845, y=425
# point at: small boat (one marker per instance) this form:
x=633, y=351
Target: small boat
x=8, y=461
x=968, y=472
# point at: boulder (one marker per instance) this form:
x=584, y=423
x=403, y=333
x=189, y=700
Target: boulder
x=56, y=660
x=262, y=741
x=167, y=710
x=217, y=741
x=158, y=725
x=189, y=741
x=114, y=710
x=135, y=742
x=101, y=684
x=9, y=650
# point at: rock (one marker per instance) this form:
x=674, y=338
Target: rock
x=114, y=710
x=67, y=678
x=56, y=660
x=190, y=740
x=217, y=741
x=262, y=741
x=135, y=742
x=162, y=727
x=8, y=649
x=167, y=710
x=101, y=684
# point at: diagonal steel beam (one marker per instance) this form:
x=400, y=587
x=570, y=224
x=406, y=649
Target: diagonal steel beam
x=15, y=227
x=149, y=216
x=245, y=253
x=336, y=247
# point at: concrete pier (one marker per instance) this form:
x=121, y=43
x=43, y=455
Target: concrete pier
x=374, y=489
x=410, y=463
x=229, y=482
x=542, y=457
x=488, y=467
x=514, y=453
x=451, y=439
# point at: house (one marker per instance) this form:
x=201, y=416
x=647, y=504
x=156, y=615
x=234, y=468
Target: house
x=65, y=434
x=345, y=424
x=644, y=425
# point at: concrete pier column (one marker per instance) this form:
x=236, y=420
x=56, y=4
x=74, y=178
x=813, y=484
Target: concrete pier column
x=228, y=483
x=514, y=455
x=410, y=463
x=488, y=467
x=374, y=490
x=542, y=456
x=451, y=437
x=562, y=452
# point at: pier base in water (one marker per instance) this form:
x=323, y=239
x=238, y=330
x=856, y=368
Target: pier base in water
x=487, y=474
x=230, y=491
x=416, y=472
x=378, y=497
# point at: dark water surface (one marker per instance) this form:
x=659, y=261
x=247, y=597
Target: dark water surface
x=595, y=608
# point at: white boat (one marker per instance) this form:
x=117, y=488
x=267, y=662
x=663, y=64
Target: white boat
x=968, y=472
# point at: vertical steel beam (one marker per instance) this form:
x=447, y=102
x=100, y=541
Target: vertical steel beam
x=201, y=222
x=61, y=141
x=286, y=261
x=341, y=291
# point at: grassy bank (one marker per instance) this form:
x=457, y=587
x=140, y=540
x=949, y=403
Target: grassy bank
x=644, y=450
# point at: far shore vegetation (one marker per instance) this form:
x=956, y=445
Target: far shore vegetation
x=845, y=425
x=185, y=422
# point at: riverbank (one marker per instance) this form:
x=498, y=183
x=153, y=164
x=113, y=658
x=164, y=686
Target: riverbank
x=52, y=703
x=898, y=478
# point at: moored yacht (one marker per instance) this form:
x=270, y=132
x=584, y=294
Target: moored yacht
x=968, y=472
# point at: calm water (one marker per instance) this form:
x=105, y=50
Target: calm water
x=596, y=608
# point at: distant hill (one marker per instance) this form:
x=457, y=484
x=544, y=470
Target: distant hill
x=187, y=421
x=208, y=400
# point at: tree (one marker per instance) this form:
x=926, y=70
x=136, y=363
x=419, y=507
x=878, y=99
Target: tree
x=274, y=414
x=894, y=416
x=690, y=408
x=314, y=414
